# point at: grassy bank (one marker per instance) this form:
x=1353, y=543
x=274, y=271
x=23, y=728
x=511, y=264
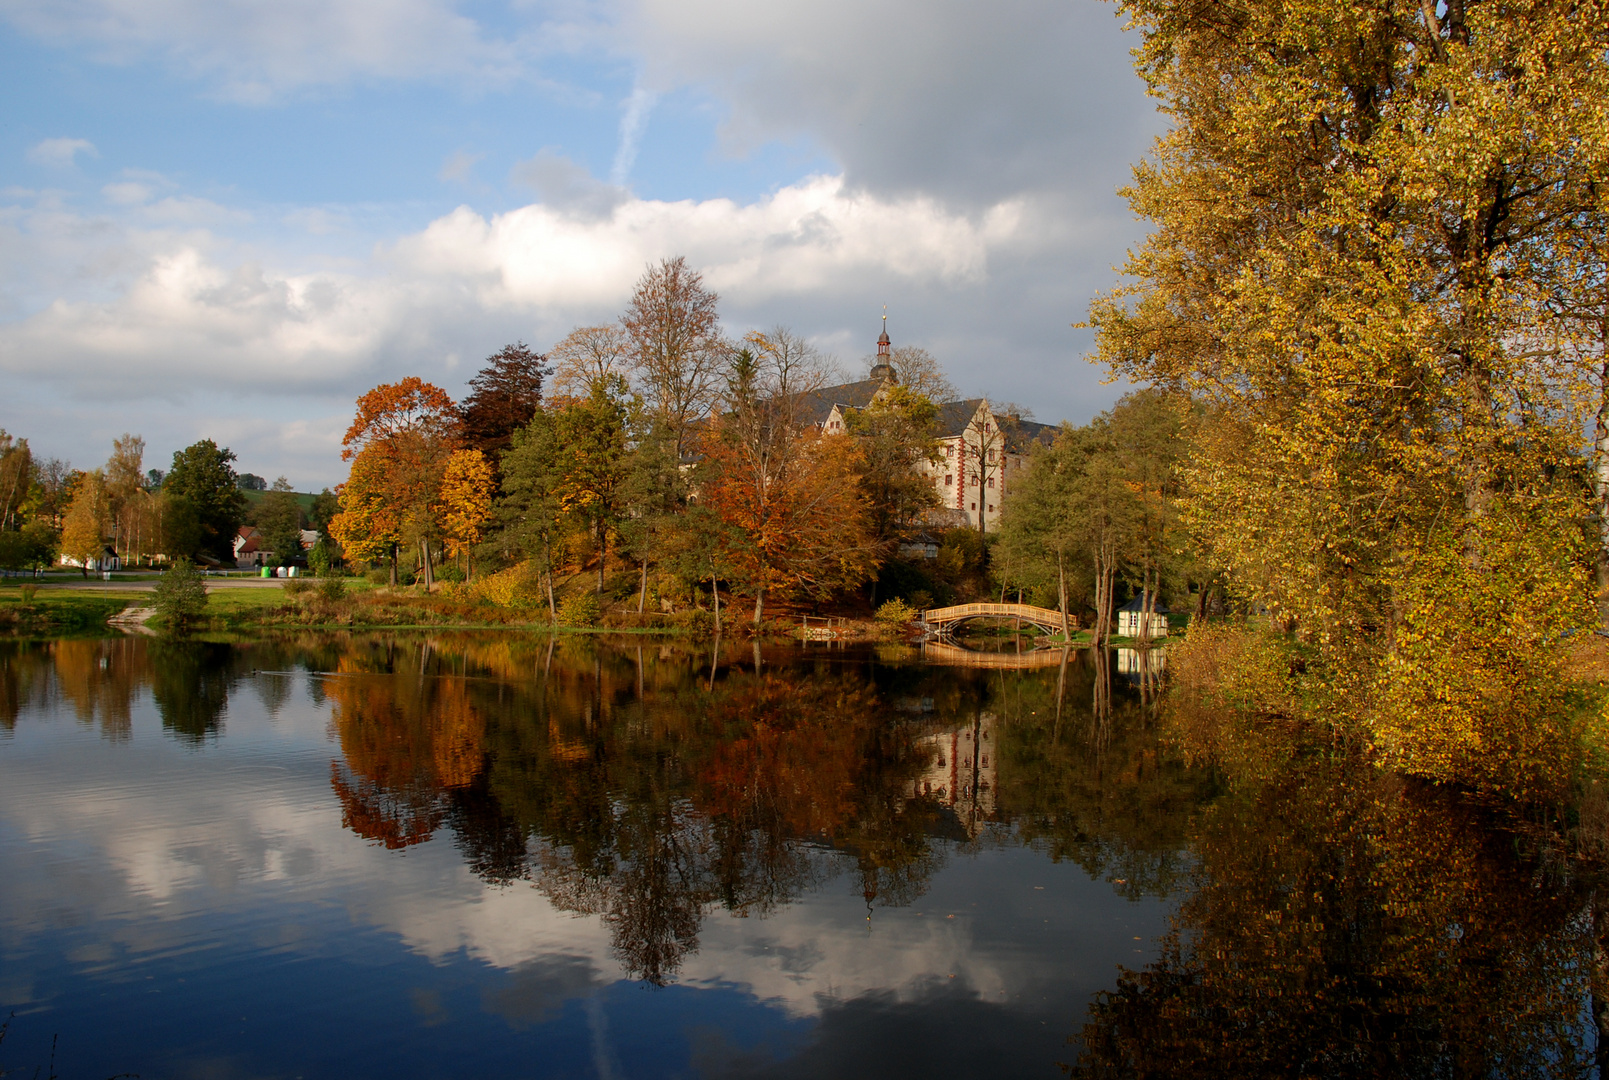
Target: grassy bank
x=24, y=609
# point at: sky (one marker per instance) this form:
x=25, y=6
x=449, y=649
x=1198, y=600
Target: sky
x=228, y=218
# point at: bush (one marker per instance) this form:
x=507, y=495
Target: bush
x=697, y=621
x=181, y=594
x=921, y=600
x=318, y=558
x=579, y=609
x=331, y=589
x=506, y=588
x=296, y=587
x=28, y=592
x=895, y=615
x=449, y=574
x=378, y=577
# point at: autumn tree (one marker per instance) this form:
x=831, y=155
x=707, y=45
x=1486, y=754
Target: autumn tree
x=16, y=478
x=591, y=436
x=676, y=347
x=1349, y=211
x=466, y=503
x=368, y=526
x=409, y=428
x=83, y=534
x=895, y=441
x=1037, y=526
x=503, y=397
x=788, y=491
x=591, y=356
x=202, y=484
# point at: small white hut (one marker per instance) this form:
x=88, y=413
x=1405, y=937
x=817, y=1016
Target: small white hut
x=1134, y=621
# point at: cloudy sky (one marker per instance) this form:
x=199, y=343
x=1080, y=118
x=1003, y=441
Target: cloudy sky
x=227, y=218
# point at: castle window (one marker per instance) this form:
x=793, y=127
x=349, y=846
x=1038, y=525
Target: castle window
x=949, y=452
x=974, y=481
x=991, y=483
x=948, y=479
x=991, y=508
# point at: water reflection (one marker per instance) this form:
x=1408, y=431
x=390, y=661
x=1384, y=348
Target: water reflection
x=1327, y=920
x=1343, y=923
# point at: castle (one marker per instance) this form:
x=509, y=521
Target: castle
x=982, y=452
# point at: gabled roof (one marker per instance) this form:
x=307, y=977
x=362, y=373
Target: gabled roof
x=1138, y=604
x=954, y=416
x=815, y=407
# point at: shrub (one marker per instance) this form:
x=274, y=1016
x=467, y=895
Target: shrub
x=697, y=621
x=378, y=577
x=28, y=592
x=921, y=600
x=506, y=588
x=181, y=594
x=449, y=573
x=579, y=609
x=331, y=589
x=297, y=587
x=895, y=614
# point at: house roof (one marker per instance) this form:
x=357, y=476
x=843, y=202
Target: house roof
x=1138, y=604
x=954, y=416
x=816, y=406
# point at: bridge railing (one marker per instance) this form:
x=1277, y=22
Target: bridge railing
x=1026, y=612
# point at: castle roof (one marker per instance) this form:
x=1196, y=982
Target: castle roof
x=816, y=406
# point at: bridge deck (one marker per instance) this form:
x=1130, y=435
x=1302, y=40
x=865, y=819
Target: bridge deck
x=1028, y=613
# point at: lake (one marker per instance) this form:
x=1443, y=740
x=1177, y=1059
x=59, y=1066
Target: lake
x=469, y=854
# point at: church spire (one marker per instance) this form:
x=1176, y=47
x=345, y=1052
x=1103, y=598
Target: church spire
x=883, y=367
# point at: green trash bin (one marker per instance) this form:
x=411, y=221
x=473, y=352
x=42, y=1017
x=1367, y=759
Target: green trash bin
x=268, y=571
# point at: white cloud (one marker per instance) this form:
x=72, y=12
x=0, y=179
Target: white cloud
x=218, y=325
x=60, y=153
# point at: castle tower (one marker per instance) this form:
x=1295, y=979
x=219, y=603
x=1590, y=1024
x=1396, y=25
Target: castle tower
x=883, y=369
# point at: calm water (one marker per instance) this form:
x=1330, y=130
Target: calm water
x=478, y=855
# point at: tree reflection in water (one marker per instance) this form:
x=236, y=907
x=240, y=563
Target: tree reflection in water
x=1330, y=920
x=1342, y=922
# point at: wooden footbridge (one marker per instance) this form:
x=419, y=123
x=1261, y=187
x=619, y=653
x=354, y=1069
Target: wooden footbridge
x=943, y=620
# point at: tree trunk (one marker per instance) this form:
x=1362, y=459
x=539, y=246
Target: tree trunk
x=642, y=595
x=715, y=591
x=424, y=562
x=393, y=566
x=1061, y=594
x=603, y=554
x=759, y=604
x=547, y=576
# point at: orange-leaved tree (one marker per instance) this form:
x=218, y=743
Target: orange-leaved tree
x=466, y=503
x=410, y=428
x=791, y=496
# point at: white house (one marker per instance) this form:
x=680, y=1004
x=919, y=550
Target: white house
x=1134, y=621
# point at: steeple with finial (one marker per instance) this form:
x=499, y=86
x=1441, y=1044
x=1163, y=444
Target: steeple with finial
x=884, y=369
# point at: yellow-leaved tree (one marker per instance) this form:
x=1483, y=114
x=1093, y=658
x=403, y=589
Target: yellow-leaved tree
x=466, y=504
x=1361, y=212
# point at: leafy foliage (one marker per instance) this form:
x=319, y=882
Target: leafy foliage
x=181, y=594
